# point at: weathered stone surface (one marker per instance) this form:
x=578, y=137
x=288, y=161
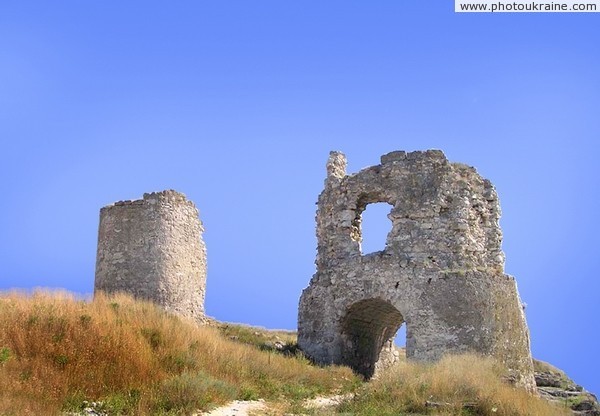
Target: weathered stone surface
x=152, y=249
x=441, y=272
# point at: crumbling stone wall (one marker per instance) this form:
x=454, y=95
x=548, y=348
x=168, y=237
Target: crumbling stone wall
x=152, y=248
x=441, y=272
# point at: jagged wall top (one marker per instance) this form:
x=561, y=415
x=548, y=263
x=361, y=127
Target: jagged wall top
x=434, y=202
x=168, y=195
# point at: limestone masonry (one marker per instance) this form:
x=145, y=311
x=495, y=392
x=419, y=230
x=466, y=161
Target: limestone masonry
x=152, y=249
x=441, y=272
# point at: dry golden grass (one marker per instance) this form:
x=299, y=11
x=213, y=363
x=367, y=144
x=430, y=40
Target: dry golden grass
x=544, y=367
x=59, y=351
x=457, y=385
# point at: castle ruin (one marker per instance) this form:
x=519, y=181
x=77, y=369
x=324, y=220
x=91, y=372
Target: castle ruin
x=152, y=248
x=441, y=272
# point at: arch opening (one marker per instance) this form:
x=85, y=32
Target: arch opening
x=368, y=330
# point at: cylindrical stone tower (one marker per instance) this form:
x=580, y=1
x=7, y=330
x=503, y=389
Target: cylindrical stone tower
x=152, y=248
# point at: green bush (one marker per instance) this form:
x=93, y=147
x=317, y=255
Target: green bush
x=153, y=336
x=191, y=392
x=4, y=355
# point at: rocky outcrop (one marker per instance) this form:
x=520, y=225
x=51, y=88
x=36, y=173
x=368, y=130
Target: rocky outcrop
x=554, y=385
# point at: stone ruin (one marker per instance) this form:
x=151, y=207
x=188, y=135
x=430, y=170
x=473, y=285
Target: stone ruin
x=441, y=272
x=152, y=248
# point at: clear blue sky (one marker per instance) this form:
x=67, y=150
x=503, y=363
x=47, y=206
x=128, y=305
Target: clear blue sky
x=237, y=105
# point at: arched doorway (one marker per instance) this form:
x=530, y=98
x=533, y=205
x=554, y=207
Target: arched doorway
x=368, y=330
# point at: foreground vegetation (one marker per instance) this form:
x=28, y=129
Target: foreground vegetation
x=58, y=353
x=457, y=385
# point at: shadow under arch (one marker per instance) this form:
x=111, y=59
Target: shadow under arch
x=368, y=330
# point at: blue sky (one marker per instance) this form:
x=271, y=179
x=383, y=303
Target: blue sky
x=237, y=105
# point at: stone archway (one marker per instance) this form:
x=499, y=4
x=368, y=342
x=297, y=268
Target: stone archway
x=368, y=329
x=441, y=271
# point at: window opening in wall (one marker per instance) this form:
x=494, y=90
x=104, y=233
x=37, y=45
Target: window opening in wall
x=375, y=226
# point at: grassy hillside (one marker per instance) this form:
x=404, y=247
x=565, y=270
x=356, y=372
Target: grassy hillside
x=456, y=385
x=57, y=353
